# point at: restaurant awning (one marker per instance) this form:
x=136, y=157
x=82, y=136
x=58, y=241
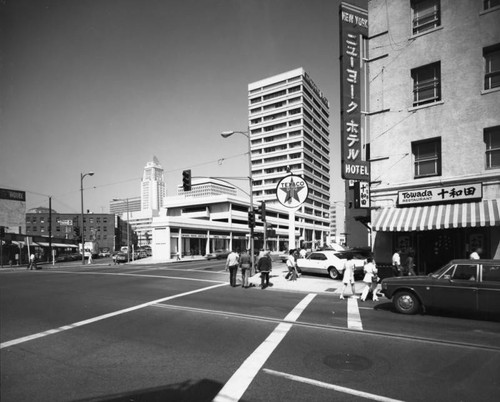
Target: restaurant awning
x=444, y=216
x=64, y=245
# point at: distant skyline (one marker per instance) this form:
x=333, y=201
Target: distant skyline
x=105, y=86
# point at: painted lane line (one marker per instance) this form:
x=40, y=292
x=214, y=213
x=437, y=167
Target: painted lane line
x=102, y=317
x=338, y=388
x=140, y=276
x=353, y=317
x=237, y=385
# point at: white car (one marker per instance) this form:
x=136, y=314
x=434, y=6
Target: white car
x=331, y=262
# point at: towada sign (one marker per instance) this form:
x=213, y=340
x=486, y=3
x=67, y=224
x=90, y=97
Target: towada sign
x=435, y=195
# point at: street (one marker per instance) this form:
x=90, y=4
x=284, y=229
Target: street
x=178, y=332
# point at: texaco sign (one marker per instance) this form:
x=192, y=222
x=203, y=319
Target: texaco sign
x=292, y=191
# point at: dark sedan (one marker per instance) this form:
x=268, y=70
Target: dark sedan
x=465, y=286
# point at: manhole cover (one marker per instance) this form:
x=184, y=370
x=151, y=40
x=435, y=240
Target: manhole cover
x=347, y=362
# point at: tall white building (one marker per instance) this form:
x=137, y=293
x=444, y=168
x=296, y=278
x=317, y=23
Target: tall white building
x=289, y=131
x=153, y=189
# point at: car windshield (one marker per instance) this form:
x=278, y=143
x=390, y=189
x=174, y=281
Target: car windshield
x=440, y=271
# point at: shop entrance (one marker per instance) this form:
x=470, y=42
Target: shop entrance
x=435, y=248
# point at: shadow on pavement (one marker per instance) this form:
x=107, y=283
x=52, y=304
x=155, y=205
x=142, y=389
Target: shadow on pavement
x=201, y=391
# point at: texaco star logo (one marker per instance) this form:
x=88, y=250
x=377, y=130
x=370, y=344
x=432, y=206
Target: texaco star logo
x=292, y=191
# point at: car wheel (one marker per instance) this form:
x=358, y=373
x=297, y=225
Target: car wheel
x=333, y=273
x=406, y=302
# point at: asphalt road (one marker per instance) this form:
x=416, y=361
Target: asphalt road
x=178, y=332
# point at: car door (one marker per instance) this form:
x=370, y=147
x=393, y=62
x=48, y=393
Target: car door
x=457, y=289
x=311, y=263
x=489, y=289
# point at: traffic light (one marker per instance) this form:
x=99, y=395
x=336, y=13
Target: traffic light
x=186, y=180
x=76, y=233
x=262, y=211
x=251, y=219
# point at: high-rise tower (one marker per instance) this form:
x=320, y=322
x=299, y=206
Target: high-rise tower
x=152, y=186
x=289, y=130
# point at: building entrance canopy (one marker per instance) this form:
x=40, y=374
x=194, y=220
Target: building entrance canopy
x=445, y=216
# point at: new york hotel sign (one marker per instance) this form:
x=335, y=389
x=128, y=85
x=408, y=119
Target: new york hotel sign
x=353, y=26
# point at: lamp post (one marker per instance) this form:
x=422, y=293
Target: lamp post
x=128, y=226
x=226, y=134
x=82, y=176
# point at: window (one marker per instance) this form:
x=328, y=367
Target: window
x=426, y=84
x=490, y=4
x=492, y=141
x=426, y=15
x=491, y=67
x=427, y=158
x=491, y=273
x=465, y=272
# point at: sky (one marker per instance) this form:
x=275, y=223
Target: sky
x=104, y=86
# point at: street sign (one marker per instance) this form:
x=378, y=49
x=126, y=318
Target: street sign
x=292, y=191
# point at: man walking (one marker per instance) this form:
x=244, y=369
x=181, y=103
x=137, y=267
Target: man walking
x=232, y=265
x=265, y=266
x=245, y=264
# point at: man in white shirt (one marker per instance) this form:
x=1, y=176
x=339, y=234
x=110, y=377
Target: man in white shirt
x=396, y=263
x=232, y=263
x=475, y=254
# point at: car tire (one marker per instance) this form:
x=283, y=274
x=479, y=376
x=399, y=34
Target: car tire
x=333, y=273
x=406, y=302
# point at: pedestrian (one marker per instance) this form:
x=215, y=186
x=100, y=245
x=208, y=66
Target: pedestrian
x=90, y=259
x=245, y=265
x=370, y=279
x=348, y=278
x=32, y=263
x=410, y=263
x=291, y=265
x=114, y=258
x=265, y=266
x=475, y=253
x=396, y=263
x=232, y=265
x=303, y=253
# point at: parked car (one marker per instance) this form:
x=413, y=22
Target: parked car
x=218, y=254
x=104, y=253
x=121, y=257
x=331, y=263
x=468, y=286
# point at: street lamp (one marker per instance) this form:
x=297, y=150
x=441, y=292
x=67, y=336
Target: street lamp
x=226, y=134
x=128, y=227
x=82, y=176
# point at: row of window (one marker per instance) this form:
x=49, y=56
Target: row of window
x=426, y=14
x=427, y=79
x=427, y=154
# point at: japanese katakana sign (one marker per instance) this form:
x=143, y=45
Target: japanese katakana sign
x=353, y=26
x=464, y=192
x=292, y=191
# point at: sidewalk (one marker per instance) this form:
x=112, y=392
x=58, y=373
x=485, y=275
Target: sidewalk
x=305, y=283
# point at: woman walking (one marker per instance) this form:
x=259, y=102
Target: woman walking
x=348, y=278
x=370, y=279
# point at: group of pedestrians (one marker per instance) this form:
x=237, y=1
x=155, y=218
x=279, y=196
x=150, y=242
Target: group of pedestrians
x=370, y=278
x=243, y=261
x=408, y=269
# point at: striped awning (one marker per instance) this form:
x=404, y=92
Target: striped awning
x=444, y=216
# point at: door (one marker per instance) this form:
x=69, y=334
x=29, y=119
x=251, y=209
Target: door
x=489, y=289
x=457, y=289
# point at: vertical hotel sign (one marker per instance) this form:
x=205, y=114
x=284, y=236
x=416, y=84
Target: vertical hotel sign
x=353, y=26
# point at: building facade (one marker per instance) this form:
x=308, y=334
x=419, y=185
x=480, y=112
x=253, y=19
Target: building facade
x=434, y=128
x=207, y=187
x=41, y=222
x=118, y=207
x=289, y=132
x=153, y=189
